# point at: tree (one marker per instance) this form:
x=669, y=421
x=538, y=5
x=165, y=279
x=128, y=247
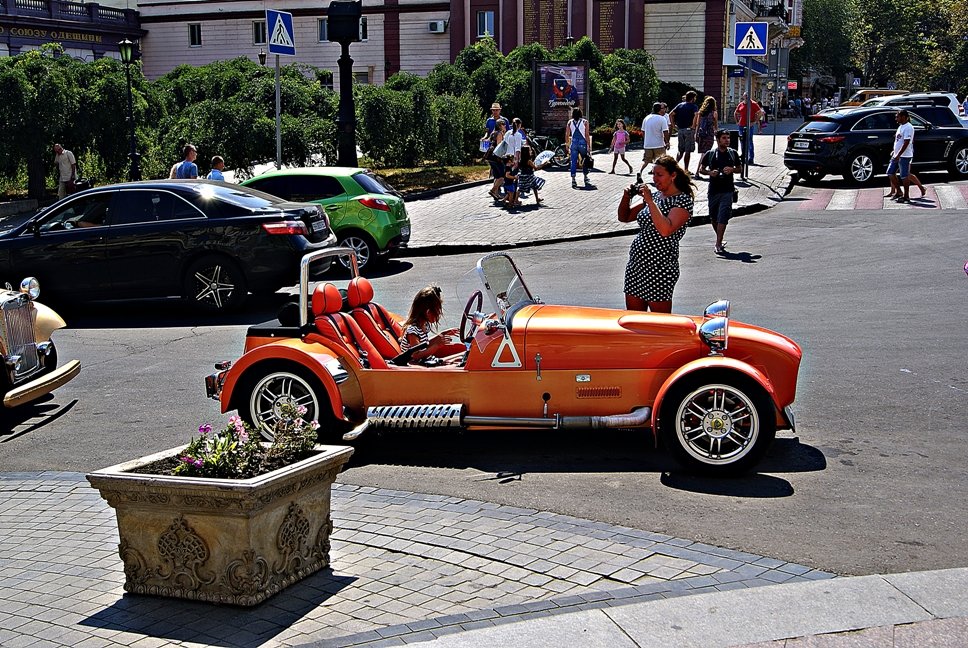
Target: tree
x=48, y=98
x=827, y=35
x=888, y=38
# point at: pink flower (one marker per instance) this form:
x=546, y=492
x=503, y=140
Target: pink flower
x=204, y=429
x=243, y=435
x=301, y=410
x=314, y=426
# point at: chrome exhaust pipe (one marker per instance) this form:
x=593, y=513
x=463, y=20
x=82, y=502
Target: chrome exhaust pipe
x=404, y=417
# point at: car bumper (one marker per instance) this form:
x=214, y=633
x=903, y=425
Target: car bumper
x=789, y=418
x=214, y=383
x=42, y=385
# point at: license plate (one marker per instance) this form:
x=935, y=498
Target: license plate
x=405, y=230
x=319, y=226
x=801, y=145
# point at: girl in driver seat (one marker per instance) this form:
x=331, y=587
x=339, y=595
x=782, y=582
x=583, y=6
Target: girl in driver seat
x=425, y=313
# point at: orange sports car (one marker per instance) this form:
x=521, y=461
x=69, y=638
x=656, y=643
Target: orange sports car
x=713, y=390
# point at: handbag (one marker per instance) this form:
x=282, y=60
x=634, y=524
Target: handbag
x=485, y=144
x=538, y=182
x=502, y=150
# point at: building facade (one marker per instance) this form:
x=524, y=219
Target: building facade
x=86, y=31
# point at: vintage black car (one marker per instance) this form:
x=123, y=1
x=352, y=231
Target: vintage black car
x=209, y=242
x=857, y=143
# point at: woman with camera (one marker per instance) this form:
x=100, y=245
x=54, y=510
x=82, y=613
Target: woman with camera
x=653, y=267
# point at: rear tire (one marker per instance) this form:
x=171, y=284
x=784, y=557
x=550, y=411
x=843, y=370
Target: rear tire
x=717, y=424
x=860, y=168
x=214, y=284
x=363, y=245
x=958, y=164
x=280, y=383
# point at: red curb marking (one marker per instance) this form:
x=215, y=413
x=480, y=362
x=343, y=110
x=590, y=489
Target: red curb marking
x=819, y=200
x=870, y=199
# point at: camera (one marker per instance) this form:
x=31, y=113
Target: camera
x=636, y=188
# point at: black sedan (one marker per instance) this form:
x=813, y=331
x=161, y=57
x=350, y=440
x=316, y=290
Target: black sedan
x=858, y=144
x=208, y=242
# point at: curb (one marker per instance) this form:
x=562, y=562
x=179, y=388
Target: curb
x=455, y=248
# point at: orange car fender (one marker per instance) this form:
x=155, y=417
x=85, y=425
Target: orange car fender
x=288, y=350
x=712, y=362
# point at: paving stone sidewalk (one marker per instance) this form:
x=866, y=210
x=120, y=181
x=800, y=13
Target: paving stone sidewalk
x=406, y=567
x=469, y=219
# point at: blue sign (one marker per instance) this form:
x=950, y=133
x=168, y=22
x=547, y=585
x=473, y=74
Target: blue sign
x=279, y=31
x=750, y=38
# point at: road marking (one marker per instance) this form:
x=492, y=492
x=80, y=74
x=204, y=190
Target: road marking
x=818, y=201
x=870, y=199
x=950, y=197
x=843, y=200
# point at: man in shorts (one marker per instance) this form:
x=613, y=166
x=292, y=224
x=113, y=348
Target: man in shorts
x=683, y=115
x=900, y=165
x=721, y=164
x=655, y=137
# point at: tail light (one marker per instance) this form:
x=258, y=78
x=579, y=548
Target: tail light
x=833, y=139
x=375, y=203
x=286, y=227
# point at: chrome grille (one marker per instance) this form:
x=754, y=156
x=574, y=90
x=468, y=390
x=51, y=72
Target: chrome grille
x=18, y=333
x=401, y=417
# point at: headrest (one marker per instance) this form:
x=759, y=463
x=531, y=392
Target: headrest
x=359, y=292
x=326, y=299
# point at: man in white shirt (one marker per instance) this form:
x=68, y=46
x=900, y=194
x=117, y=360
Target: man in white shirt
x=900, y=165
x=66, y=170
x=655, y=134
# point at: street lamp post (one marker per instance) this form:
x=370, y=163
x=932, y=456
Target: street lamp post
x=126, y=48
x=343, y=18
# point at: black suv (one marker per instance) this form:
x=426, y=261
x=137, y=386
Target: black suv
x=857, y=143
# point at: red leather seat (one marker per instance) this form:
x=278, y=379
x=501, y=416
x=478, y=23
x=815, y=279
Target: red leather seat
x=381, y=327
x=340, y=327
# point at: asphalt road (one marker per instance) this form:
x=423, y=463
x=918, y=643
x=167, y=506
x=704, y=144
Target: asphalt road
x=870, y=482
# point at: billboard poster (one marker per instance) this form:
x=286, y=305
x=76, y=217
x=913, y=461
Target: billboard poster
x=558, y=87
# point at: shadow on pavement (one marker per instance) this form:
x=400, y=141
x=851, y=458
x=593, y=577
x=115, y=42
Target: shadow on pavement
x=786, y=455
x=508, y=454
x=195, y=622
x=744, y=257
x=16, y=422
x=174, y=312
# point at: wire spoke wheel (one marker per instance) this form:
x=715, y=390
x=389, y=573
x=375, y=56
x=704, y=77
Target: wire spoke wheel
x=275, y=390
x=717, y=424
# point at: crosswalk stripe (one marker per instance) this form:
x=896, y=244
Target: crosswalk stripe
x=842, y=200
x=950, y=197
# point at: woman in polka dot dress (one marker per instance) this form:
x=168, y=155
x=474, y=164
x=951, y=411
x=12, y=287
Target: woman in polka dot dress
x=653, y=267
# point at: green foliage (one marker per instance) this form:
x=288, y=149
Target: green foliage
x=471, y=58
x=459, y=124
x=392, y=125
x=448, y=79
x=404, y=81
x=235, y=452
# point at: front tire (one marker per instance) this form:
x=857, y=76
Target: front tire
x=718, y=426
x=214, y=284
x=958, y=164
x=860, y=168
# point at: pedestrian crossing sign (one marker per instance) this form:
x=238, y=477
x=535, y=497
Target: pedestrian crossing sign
x=750, y=38
x=279, y=30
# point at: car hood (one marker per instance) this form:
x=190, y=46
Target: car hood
x=576, y=337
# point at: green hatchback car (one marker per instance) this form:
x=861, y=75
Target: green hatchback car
x=366, y=213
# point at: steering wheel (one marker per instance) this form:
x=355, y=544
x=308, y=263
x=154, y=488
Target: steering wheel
x=470, y=307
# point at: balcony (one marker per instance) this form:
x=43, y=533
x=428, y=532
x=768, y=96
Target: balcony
x=70, y=11
x=772, y=11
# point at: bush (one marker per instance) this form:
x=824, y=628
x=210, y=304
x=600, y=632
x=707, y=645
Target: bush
x=459, y=125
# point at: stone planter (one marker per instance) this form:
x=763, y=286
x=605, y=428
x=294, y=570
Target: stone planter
x=222, y=540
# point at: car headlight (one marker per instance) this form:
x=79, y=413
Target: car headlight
x=30, y=287
x=715, y=333
x=717, y=309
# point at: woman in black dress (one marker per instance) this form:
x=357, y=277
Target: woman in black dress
x=653, y=267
